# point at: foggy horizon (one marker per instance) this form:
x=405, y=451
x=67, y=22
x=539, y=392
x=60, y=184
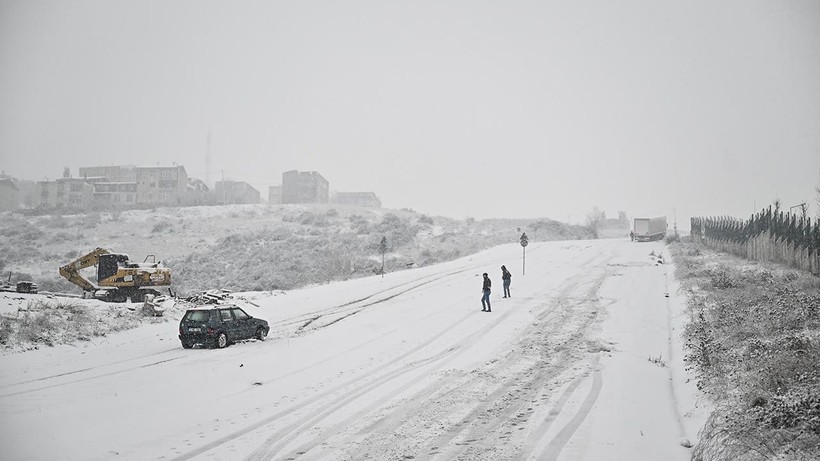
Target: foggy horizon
x=464, y=109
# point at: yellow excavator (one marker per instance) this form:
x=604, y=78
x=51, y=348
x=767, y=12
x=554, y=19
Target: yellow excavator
x=118, y=278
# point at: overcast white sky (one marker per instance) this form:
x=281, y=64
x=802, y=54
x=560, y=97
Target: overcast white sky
x=457, y=108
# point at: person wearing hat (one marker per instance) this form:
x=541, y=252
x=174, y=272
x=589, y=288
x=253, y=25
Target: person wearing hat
x=485, y=299
x=506, y=277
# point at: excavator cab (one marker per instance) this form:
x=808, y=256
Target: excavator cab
x=109, y=264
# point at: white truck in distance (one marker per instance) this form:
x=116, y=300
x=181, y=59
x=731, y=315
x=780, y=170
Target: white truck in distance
x=648, y=229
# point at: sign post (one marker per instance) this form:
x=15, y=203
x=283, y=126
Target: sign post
x=524, y=242
x=383, y=250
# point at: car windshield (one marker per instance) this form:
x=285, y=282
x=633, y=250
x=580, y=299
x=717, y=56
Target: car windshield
x=197, y=316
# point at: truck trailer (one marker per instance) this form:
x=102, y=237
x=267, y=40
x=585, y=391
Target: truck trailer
x=648, y=229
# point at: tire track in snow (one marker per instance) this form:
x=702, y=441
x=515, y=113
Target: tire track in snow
x=507, y=410
x=362, y=381
x=434, y=363
x=279, y=440
x=342, y=311
x=459, y=389
x=556, y=445
x=82, y=370
x=389, y=425
x=90, y=378
x=305, y=320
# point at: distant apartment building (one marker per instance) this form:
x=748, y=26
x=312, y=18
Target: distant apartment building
x=9, y=195
x=363, y=199
x=136, y=185
x=197, y=193
x=120, y=173
x=304, y=187
x=239, y=192
x=70, y=193
x=161, y=185
x=116, y=194
x=275, y=194
x=29, y=193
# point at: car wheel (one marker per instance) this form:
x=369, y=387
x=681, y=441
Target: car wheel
x=260, y=334
x=187, y=345
x=221, y=340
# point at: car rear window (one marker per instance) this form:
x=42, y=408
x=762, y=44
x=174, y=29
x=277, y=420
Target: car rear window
x=197, y=316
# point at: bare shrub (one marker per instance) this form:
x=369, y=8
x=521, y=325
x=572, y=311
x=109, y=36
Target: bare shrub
x=6, y=331
x=306, y=218
x=60, y=237
x=162, y=226
x=754, y=340
x=37, y=327
x=49, y=323
x=723, y=279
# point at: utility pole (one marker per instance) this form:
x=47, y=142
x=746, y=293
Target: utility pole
x=803, y=209
x=675, y=221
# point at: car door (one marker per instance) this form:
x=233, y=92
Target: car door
x=243, y=321
x=229, y=325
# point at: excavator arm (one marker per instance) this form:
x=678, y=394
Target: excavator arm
x=71, y=271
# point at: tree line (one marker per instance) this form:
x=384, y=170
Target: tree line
x=796, y=230
x=770, y=235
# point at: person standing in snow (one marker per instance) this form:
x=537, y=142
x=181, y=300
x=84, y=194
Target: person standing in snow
x=485, y=299
x=506, y=277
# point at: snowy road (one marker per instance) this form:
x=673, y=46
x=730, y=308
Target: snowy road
x=401, y=367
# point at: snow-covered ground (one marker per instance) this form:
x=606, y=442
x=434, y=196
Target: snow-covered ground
x=582, y=362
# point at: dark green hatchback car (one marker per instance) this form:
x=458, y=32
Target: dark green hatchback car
x=217, y=325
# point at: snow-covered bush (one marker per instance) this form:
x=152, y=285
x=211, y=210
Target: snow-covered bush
x=52, y=322
x=753, y=338
x=17, y=230
x=162, y=226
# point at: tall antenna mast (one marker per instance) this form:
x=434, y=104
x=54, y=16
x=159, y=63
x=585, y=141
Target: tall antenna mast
x=208, y=161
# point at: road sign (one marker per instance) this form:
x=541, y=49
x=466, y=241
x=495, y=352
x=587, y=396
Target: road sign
x=524, y=240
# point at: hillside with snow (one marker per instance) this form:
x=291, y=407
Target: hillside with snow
x=255, y=247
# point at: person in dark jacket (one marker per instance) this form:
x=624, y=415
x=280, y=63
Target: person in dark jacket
x=485, y=299
x=506, y=277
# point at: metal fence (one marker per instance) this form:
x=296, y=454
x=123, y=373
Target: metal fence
x=766, y=236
